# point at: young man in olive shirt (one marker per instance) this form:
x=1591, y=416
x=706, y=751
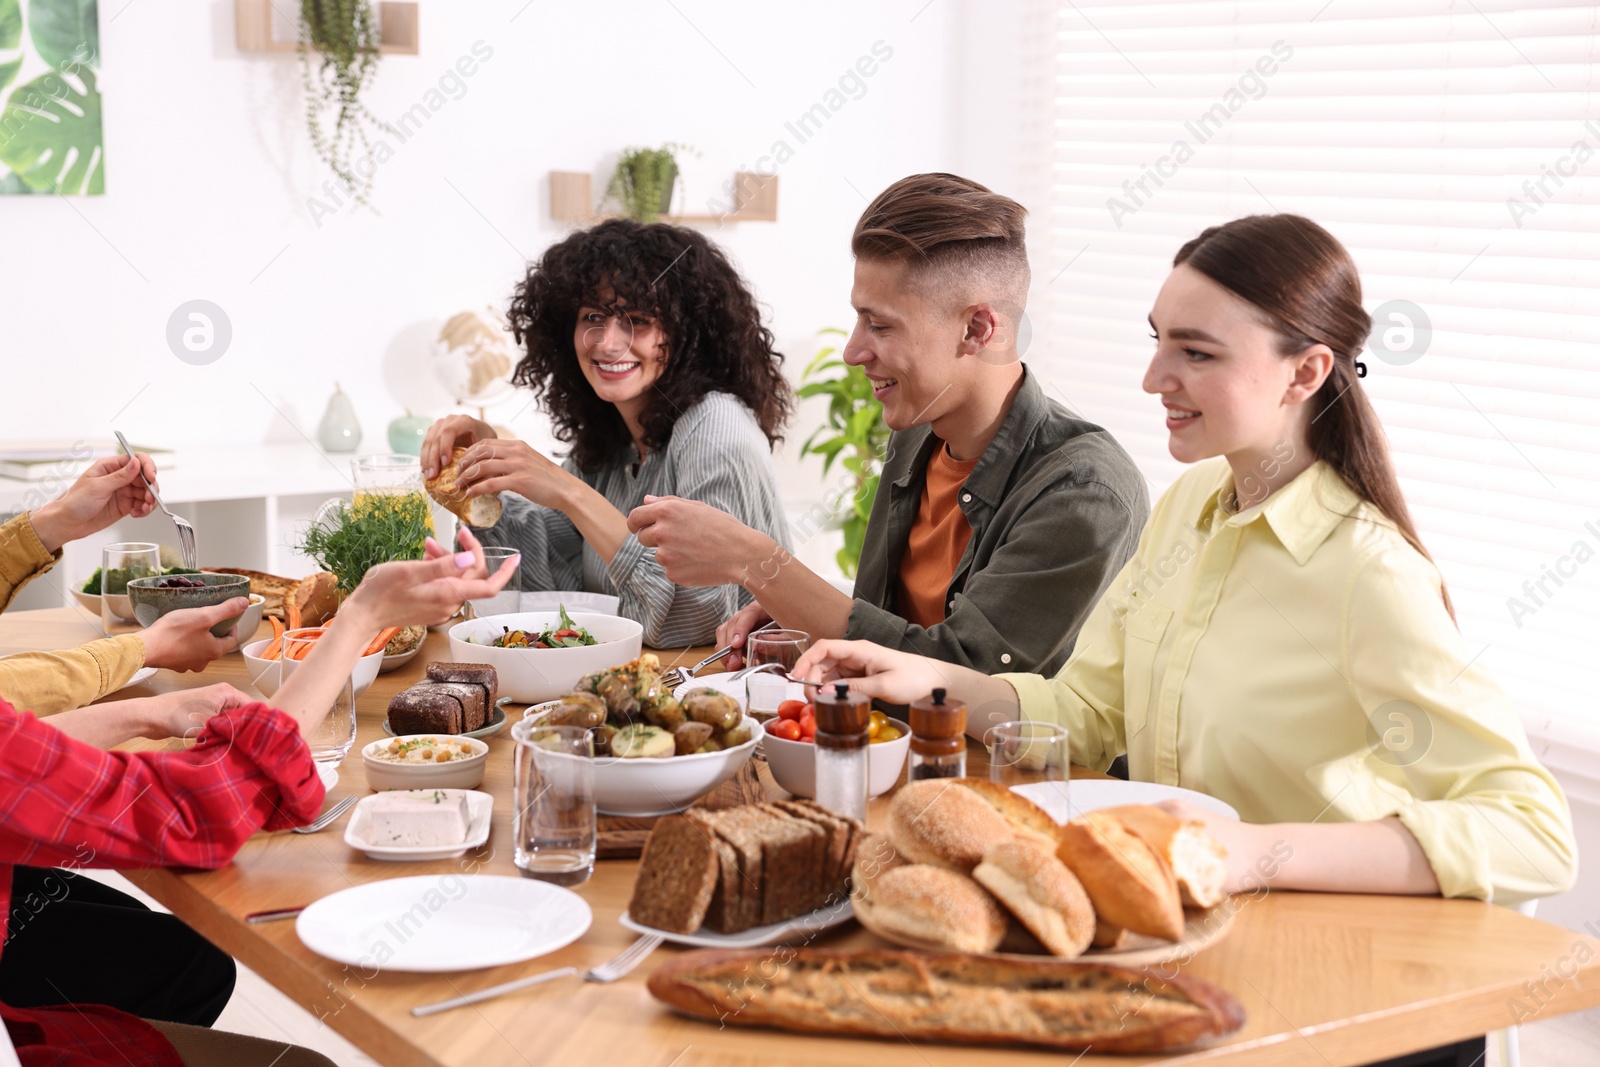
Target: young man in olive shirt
x=1022, y=548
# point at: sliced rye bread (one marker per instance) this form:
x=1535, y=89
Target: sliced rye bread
x=424, y=709
x=791, y=859
x=677, y=876
x=469, y=673
x=841, y=834
x=474, y=702
x=741, y=829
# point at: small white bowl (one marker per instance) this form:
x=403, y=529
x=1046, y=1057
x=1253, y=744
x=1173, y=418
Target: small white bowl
x=794, y=763
x=264, y=672
x=663, y=786
x=531, y=675
x=457, y=774
x=250, y=621
x=120, y=606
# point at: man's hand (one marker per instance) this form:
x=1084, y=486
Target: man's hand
x=182, y=713
x=181, y=640
x=698, y=545
x=737, y=629
x=109, y=490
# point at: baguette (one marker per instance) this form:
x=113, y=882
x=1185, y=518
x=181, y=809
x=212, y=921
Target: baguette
x=445, y=487
x=1128, y=882
x=1197, y=859
x=908, y=996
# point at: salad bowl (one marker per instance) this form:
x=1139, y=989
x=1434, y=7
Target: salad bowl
x=529, y=675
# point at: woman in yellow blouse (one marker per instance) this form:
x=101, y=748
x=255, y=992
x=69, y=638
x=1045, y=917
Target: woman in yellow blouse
x=30, y=544
x=1281, y=639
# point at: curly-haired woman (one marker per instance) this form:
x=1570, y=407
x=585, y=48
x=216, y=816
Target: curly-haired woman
x=648, y=352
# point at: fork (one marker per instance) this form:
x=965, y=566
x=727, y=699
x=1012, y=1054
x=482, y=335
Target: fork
x=677, y=676
x=321, y=822
x=191, y=559
x=609, y=971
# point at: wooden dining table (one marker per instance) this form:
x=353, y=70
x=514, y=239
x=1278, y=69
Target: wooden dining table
x=1324, y=978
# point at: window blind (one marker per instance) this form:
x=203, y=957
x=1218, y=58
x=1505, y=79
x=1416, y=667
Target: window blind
x=1454, y=147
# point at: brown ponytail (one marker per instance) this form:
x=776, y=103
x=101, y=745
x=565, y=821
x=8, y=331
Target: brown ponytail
x=1305, y=284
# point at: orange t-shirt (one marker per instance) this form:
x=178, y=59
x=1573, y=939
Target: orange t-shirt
x=937, y=540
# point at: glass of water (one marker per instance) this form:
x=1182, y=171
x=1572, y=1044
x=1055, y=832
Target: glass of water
x=1033, y=755
x=333, y=738
x=119, y=564
x=509, y=599
x=554, y=824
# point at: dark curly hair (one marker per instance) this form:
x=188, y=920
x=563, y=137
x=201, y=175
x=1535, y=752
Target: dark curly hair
x=709, y=321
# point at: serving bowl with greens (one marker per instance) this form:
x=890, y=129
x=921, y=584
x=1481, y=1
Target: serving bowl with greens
x=530, y=674
x=88, y=594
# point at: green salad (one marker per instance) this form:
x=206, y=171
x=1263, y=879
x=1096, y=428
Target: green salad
x=119, y=578
x=566, y=634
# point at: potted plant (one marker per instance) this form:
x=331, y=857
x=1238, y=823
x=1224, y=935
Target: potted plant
x=643, y=180
x=858, y=435
x=344, y=35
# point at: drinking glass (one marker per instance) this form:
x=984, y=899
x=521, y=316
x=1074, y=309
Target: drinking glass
x=333, y=738
x=554, y=825
x=509, y=599
x=393, y=481
x=1034, y=755
x=776, y=646
x=119, y=564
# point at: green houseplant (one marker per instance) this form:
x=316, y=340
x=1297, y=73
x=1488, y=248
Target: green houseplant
x=854, y=434
x=643, y=180
x=344, y=36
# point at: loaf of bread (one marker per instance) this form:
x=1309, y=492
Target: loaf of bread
x=1197, y=859
x=1027, y=819
x=905, y=996
x=1128, y=882
x=445, y=487
x=939, y=822
x=932, y=907
x=468, y=674
x=425, y=709
x=1038, y=889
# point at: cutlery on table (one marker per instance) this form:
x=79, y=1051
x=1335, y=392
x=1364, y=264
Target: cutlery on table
x=774, y=668
x=321, y=822
x=191, y=559
x=609, y=971
x=273, y=916
x=677, y=676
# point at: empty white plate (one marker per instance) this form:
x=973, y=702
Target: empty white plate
x=723, y=683
x=797, y=931
x=1087, y=794
x=443, y=922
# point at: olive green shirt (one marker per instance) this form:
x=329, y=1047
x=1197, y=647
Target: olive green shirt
x=1055, y=506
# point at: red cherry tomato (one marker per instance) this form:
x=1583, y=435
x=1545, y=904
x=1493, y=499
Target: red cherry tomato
x=791, y=709
x=808, y=729
x=565, y=633
x=787, y=729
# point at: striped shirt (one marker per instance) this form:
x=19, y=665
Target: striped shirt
x=717, y=455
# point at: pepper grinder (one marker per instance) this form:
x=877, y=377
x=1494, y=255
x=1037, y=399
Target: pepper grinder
x=938, y=738
x=842, y=723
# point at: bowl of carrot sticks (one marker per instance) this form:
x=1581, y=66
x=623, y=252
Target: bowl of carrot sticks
x=273, y=660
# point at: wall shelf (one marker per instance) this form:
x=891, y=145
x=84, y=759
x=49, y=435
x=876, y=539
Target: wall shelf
x=397, y=25
x=755, y=199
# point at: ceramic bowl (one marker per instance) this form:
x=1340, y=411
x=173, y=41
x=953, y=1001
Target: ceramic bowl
x=794, y=763
x=150, y=600
x=119, y=604
x=531, y=675
x=265, y=677
x=457, y=774
x=644, y=787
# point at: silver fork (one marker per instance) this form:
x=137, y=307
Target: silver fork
x=321, y=822
x=609, y=971
x=191, y=559
x=683, y=675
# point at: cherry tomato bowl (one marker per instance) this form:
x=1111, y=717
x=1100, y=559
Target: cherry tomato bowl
x=793, y=761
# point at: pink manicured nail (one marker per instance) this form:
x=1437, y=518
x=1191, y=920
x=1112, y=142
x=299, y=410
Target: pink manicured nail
x=464, y=560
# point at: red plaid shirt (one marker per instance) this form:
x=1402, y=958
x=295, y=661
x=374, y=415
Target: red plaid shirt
x=66, y=803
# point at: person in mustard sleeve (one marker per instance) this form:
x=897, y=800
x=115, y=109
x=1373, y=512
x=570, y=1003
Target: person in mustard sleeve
x=30, y=544
x=1281, y=639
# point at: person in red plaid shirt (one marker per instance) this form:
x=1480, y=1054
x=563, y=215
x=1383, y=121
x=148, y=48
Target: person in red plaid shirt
x=65, y=801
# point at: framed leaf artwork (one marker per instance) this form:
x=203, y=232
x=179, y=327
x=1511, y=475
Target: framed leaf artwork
x=50, y=136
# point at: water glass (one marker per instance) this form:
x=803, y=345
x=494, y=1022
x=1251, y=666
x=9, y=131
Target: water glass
x=554, y=824
x=776, y=646
x=335, y=735
x=508, y=601
x=120, y=563
x=1032, y=754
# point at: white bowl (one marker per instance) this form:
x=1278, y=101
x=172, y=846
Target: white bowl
x=644, y=787
x=794, y=763
x=250, y=621
x=264, y=672
x=457, y=774
x=120, y=606
x=530, y=675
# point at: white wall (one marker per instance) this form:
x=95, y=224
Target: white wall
x=209, y=174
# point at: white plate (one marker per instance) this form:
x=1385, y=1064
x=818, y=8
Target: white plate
x=138, y=676
x=798, y=930
x=572, y=600
x=329, y=775
x=1087, y=794
x=479, y=807
x=722, y=684
x=443, y=922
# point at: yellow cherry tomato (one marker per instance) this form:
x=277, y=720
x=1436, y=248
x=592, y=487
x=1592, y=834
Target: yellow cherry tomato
x=887, y=733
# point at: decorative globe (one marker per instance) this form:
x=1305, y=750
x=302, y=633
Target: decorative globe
x=474, y=357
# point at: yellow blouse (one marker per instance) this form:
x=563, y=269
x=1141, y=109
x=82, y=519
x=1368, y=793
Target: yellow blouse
x=47, y=682
x=1296, y=660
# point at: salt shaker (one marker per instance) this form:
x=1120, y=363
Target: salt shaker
x=938, y=738
x=842, y=723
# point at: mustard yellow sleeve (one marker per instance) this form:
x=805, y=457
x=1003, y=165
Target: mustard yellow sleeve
x=22, y=557
x=1456, y=767
x=1085, y=696
x=47, y=682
